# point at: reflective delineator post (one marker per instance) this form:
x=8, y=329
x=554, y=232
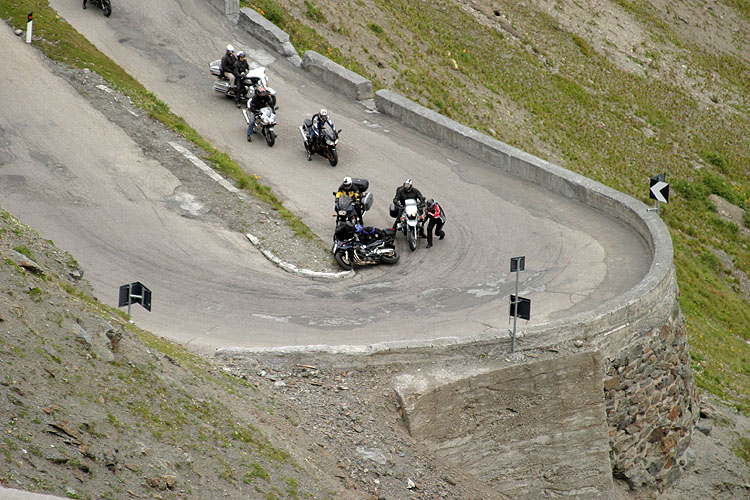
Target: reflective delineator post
x=29, y=27
x=517, y=264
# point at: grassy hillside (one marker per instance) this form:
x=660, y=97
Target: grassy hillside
x=618, y=91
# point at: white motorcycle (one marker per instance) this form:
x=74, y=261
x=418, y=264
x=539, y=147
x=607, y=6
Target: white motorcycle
x=411, y=221
x=265, y=120
x=254, y=77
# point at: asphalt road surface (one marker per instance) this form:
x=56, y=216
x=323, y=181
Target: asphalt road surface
x=69, y=173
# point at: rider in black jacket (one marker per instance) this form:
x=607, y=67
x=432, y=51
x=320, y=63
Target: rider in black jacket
x=405, y=192
x=241, y=67
x=261, y=99
x=226, y=68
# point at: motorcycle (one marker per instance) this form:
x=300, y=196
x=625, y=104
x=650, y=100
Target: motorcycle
x=411, y=221
x=105, y=5
x=265, y=120
x=348, y=251
x=254, y=77
x=324, y=145
x=345, y=208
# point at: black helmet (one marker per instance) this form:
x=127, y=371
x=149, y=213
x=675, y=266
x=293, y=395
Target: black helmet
x=430, y=203
x=260, y=90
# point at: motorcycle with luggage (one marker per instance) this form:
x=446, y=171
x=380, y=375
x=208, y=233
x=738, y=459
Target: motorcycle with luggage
x=347, y=209
x=254, y=77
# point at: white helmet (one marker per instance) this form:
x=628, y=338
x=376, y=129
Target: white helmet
x=347, y=182
x=323, y=112
x=230, y=48
x=240, y=54
x=407, y=184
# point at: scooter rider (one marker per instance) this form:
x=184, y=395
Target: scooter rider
x=319, y=120
x=436, y=219
x=405, y=192
x=241, y=67
x=261, y=99
x=226, y=68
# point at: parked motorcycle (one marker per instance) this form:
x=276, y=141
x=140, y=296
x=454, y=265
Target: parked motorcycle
x=324, y=144
x=105, y=5
x=254, y=77
x=265, y=120
x=411, y=221
x=349, y=251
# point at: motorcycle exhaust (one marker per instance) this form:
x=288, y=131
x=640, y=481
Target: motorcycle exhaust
x=302, y=131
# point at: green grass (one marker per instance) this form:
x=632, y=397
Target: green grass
x=61, y=42
x=24, y=250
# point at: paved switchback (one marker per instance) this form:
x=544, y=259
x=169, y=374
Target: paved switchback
x=211, y=288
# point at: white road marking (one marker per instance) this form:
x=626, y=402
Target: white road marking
x=208, y=170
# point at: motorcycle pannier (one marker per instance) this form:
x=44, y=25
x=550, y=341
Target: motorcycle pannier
x=362, y=184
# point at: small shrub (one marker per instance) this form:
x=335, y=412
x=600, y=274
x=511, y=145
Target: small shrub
x=24, y=250
x=375, y=28
x=314, y=12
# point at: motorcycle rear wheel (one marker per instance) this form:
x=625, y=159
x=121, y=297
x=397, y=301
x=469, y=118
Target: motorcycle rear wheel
x=107, y=6
x=270, y=138
x=333, y=157
x=390, y=259
x=343, y=261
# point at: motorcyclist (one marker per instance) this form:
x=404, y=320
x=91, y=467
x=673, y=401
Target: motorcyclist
x=261, y=98
x=319, y=121
x=348, y=188
x=241, y=67
x=226, y=68
x=405, y=192
x=436, y=219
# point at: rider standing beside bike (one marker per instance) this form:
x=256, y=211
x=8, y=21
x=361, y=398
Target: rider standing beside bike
x=261, y=99
x=436, y=218
x=405, y=192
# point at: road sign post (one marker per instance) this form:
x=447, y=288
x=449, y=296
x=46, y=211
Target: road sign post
x=29, y=27
x=518, y=305
x=658, y=190
x=137, y=291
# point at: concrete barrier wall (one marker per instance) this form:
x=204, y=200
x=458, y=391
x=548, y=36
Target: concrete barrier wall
x=347, y=82
x=227, y=7
x=264, y=30
x=542, y=421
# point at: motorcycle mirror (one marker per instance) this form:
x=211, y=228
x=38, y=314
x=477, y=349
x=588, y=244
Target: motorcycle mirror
x=276, y=108
x=339, y=131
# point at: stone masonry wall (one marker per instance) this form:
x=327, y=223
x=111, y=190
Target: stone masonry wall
x=651, y=404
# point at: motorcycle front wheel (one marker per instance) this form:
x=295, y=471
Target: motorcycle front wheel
x=270, y=138
x=412, y=238
x=333, y=156
x=107, y=6
x=342, y=259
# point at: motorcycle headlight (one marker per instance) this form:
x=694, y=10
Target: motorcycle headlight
x=342, y=212
x=329, y=142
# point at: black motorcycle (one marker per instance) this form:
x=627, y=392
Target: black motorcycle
x=349, y=251
x=347, y=209
x=105, y=5
x=323, y=144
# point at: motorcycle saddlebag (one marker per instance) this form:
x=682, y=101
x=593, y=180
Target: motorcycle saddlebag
x=393, y=210
x=362, y=184
x=367, y=201
x=390, y=232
